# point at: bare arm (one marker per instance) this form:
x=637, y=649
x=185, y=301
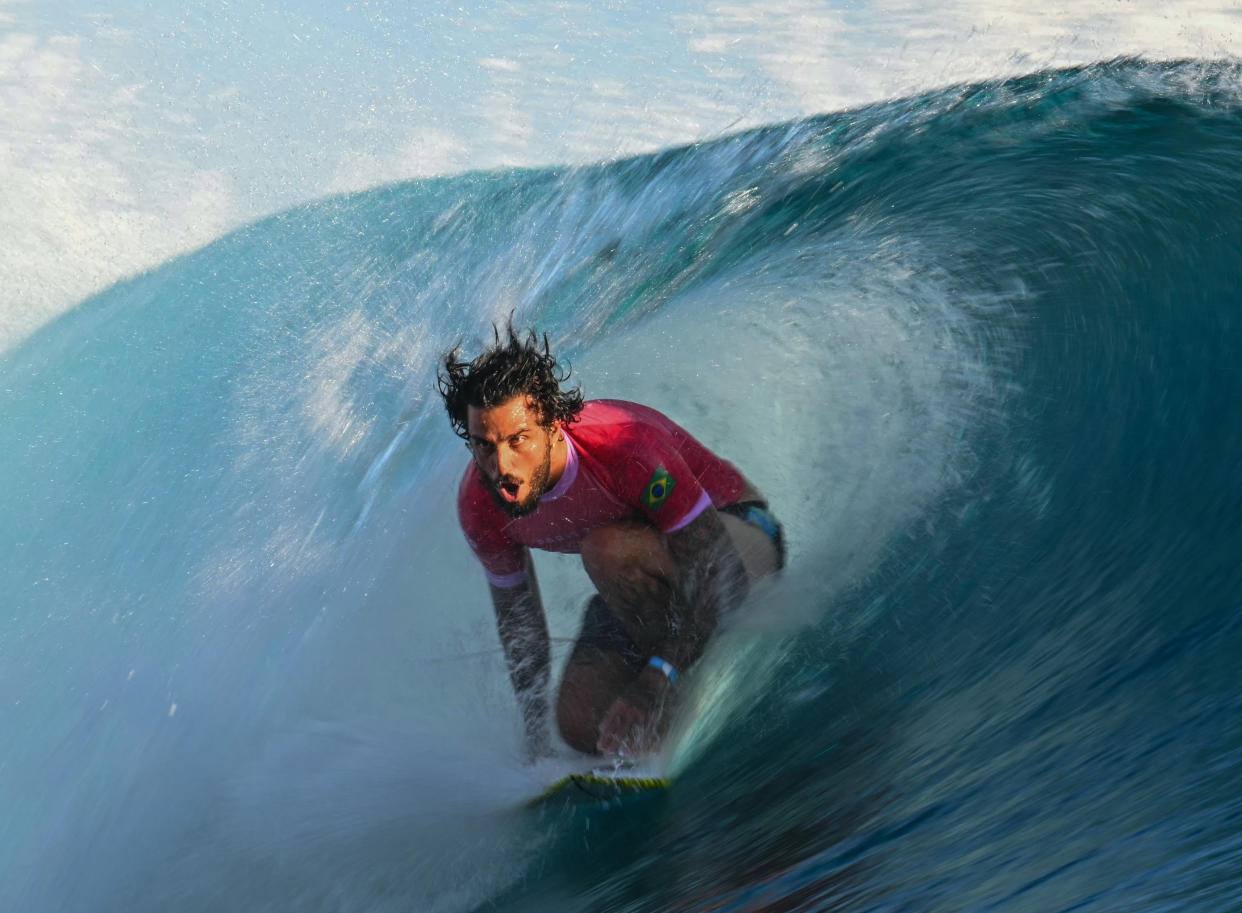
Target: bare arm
x=523, y=633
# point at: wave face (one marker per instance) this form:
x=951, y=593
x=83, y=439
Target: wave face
x=977, y=346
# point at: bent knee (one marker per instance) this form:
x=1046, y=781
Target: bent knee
x=577, y=724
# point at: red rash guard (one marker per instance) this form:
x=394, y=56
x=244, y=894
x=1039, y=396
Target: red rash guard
x=625, y=462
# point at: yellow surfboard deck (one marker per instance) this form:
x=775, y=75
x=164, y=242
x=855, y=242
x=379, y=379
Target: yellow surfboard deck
x=599, y=787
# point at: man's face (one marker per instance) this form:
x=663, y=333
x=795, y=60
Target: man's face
x=513, y=452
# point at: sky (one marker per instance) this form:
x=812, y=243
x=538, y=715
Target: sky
x=134, y=132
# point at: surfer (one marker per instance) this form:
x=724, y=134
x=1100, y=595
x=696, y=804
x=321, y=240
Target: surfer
x=670, y=534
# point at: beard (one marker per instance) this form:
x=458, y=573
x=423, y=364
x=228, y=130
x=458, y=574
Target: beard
x=538, y=486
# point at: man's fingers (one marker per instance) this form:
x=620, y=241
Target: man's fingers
x=618, y=724
x=613, y=729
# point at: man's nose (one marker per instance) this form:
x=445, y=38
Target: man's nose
x=487, y=462
x=504, y=461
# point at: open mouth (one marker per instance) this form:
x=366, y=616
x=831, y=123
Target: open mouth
x=508, y=490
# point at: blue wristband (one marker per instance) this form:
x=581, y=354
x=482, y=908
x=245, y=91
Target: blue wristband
x=664, y=666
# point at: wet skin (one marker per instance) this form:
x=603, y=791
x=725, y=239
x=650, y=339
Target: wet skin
x=518, y=456
x=665, y=591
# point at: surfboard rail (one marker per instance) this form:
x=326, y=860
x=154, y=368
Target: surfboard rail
x=599, y=788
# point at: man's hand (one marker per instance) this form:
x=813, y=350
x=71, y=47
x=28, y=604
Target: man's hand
x=632, y=723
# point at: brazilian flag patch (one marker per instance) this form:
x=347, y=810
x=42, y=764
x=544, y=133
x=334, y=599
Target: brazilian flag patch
x=658, y=489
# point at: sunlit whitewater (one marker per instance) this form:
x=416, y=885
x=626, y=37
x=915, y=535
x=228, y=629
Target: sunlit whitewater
x=133, y=133
x=977, y=345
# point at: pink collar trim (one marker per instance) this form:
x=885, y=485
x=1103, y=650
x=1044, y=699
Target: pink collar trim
x=568, y=476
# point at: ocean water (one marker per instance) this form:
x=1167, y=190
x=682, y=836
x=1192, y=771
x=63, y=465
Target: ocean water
x=976, y=344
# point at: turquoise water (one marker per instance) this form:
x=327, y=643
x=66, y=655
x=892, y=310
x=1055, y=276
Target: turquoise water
x=977, y=347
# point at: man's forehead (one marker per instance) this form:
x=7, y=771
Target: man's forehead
x=508, y=416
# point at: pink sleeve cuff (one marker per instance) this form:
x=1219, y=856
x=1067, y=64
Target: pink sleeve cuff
x=505, y=581
x=704, y=502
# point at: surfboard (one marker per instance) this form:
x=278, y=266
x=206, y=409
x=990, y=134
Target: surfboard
x=600, y=788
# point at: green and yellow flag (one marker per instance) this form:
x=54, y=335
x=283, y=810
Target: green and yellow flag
x=658, y=489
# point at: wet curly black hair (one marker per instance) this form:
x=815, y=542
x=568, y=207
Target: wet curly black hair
x=502, y=371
